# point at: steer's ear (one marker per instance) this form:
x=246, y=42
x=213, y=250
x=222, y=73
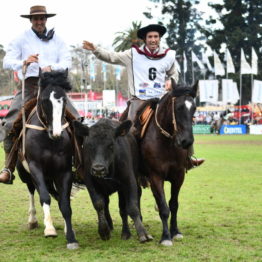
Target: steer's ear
x=123, y=129
x=80, y=129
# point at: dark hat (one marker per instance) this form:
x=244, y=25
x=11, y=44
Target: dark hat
x=37, y=10
x=141, y=33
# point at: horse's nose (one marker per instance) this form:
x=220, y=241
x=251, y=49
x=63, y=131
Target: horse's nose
x=54, y=135
x=98, y=170
x=186, y=143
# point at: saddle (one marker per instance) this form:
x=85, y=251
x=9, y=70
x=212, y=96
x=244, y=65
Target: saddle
x=144, y=115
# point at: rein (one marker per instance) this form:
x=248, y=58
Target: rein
x=164, y=132
x=40, y=128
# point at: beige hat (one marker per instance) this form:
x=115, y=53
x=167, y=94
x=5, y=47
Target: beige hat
x=38, y=10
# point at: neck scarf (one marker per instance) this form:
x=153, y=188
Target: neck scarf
x=144, y=51
x=43, y=36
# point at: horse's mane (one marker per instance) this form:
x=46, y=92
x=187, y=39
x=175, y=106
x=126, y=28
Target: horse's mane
x=55, y=78
x=177, y=91
x=181, y=90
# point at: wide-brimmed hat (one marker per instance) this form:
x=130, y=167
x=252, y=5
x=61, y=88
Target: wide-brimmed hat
x=37, y=10
x=141, y=33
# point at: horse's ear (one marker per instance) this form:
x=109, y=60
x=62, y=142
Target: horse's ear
x=195, y=88
x=66, y=73
x=80, y=129
x=40, y=71
x=123, y=129
x=173, y=83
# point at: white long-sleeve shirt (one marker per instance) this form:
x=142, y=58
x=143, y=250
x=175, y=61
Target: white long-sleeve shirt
x=52, y=53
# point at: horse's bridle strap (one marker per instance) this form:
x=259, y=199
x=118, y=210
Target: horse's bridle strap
x=43, y=128
x=164, y=132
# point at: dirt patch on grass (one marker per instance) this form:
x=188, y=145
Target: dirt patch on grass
x=230, y=142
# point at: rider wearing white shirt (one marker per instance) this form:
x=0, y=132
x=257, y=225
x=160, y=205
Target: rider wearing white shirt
x=37, y=48
x=53, y=53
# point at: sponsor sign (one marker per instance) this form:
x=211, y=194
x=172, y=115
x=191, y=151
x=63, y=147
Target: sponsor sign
x=201, y=129
x=233, y=129
x=255, y=129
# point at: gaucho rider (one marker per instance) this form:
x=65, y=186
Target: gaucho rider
x=36, y=48
x=148, y=67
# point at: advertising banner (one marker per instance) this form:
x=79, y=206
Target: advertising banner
x=201, y=129
x=233, y=130
x=255, y=129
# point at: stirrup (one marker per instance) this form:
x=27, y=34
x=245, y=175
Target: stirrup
x=11, y=176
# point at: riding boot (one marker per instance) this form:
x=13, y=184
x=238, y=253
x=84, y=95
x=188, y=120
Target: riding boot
x=6, y=174
x=192, y=161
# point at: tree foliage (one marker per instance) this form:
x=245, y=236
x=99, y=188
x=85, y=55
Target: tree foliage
x=124, y=40
x=241, y=28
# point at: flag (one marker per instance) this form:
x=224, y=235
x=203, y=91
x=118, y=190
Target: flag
x=206, y=61
x=92, y=71
x=229, y=61
x=104, y=71
x=257, y=92
x=118, y=72
x=195, y=59
x=184, y=62
x=235, y=93
x=254, y=62
x=208, y=90
x=177, y=66
x=219, y=68
x=229, y=91
x=244, y=65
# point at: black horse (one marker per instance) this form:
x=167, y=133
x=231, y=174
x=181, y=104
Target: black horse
x=164, y=153
x=46, y=163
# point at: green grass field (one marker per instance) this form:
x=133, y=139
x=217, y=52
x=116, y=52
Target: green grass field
x=220, y=214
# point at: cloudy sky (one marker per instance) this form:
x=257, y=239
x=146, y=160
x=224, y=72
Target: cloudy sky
x=94, y=20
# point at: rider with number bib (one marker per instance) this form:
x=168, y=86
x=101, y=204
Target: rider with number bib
x=147, y=66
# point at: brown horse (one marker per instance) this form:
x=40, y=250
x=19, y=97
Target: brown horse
x=164, y=151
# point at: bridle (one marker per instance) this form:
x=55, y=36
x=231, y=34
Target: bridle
x=164, y=132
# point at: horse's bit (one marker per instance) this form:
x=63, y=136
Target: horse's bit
x=164, y=132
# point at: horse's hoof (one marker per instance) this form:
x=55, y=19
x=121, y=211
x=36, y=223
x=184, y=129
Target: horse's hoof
x=178, y=237
x=72, y=245
x=105, y=237
x=166, y=243
x=50, y=232
x=149, y=238
x=142, y=239
x=125, y=236
x=33, y=225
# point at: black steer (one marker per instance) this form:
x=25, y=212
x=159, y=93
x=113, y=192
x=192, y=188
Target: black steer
x=110, y=162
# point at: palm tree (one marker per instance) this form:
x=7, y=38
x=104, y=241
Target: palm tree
x=126, y=39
